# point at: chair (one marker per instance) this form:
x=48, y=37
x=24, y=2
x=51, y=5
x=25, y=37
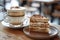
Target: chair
x=47, y=8
x=2, y=3
x=56, y=13
x=57, y=7
x=51, y=6
x=54, y=10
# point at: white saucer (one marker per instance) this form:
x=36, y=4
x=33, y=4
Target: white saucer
x=25, y=24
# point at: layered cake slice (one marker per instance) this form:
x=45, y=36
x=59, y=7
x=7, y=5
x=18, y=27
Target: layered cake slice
x=16, y=12
x=39, y=24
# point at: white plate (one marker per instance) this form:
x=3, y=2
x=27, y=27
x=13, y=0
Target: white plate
x=25, y=24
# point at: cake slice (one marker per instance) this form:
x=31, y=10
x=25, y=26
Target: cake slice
x=39, y=24
x=16, y=12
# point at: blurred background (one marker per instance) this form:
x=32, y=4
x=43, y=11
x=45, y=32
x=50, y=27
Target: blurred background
x=44, y=8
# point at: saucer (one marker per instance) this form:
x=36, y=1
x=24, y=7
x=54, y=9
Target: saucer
x=34, y=35
x=25, y=24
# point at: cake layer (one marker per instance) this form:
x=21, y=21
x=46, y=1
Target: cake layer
x=41, y=25
x=16, y=23
x=38, y=18
x=16, y=14
x=46, y=30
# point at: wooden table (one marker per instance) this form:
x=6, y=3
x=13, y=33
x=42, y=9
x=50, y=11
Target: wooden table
x=17, y=34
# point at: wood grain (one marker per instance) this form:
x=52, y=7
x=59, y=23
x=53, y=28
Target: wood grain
x=17, y=34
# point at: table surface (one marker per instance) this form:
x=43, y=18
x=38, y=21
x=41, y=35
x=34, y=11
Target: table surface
x=17, y=34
